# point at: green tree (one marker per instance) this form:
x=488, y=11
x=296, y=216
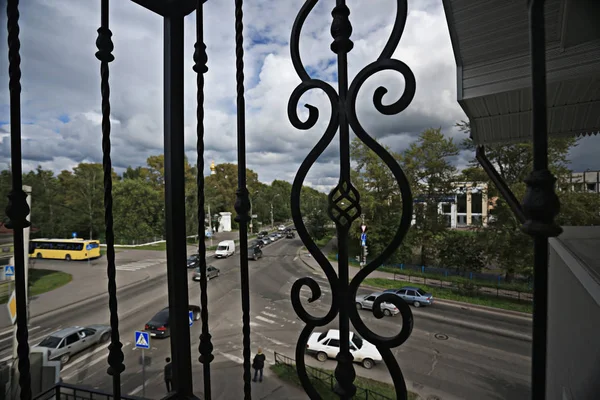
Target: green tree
x=427, y=163
x=138, y=210
x=462, y=250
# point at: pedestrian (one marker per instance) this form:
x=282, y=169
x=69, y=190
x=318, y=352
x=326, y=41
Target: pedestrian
x=168, y=374
x=258, y=364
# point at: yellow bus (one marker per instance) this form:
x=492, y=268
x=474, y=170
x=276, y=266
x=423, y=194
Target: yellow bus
x=64, y=249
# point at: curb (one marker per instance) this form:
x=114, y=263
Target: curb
x=302, y=259
x=480, y=308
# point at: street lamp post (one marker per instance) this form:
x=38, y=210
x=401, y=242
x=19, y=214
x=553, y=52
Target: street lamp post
x=272, y=221
x=255, y=192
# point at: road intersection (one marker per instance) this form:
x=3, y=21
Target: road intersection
x=442, y=356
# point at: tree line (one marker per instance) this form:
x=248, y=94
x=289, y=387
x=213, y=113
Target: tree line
x=73, y=201
x=429, y=164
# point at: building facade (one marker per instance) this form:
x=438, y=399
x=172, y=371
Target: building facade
x=584, y=182
x=467, y=207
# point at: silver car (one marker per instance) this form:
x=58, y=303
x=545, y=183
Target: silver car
x=65, y=343
x=211, y=272
x=366, y=302
x=413, y=295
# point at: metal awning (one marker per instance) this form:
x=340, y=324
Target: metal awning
x=490, y=40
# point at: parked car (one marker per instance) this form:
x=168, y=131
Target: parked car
x=273, y=237
x=254, y=253
x=280, y=234
x=256, y=242
x=281, y=227
x=327, y=345
x=225, y=249
x=290, y=235
x=158, y=326
x=266, y=241
x=193, y=261
x=211, y=272
x=366, y=302
x=65, y=343
x=413, y=295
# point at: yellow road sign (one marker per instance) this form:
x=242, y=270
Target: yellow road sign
x=12, y=307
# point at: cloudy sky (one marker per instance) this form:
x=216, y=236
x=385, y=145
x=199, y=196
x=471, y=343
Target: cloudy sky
x=61, y=83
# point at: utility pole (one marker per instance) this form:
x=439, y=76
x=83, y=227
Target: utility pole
x=272, y=222
x=27, y=190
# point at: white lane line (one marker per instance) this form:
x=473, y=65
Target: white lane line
x=139, y=388
x=29, y=330
x=5, y=358
x=87, y=357
x=295, y=258
x=260, y=317
x=274, y=341
x=79, y=360
x=233, y=358
x=255, y=324
x=268, y=314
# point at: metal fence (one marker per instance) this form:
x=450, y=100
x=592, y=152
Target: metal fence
x=328, y=379
x=64, y=391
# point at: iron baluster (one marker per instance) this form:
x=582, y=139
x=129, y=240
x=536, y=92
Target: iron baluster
x=205, y=347
x=344, y=200
x=17, y=209
x=540, y=203
x=104, y=54
x=242, y=202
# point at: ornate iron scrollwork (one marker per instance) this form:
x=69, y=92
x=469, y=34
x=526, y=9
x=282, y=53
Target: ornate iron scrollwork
x=344, y=199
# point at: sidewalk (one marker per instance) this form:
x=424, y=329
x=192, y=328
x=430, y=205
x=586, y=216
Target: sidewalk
x=309, y=261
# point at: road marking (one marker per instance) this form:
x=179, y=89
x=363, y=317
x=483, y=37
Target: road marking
x=10, y=337
x=255, y=324
x=77, y=361
x=274, y=341
x=5, y=358
x=260, y=317
x=233, y=358
x=268, y=314
x=86, y=357
x=139, y=388
x=295, y=258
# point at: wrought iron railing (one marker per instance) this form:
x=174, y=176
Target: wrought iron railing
x=539, y=208
x=64, y=391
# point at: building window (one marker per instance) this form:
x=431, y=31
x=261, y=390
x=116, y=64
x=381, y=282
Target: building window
x=476, y=203
x=476, y=220
x=461, y=203
x=591, y=187
x=461, y=220
x=448, y=221
x=446, y=208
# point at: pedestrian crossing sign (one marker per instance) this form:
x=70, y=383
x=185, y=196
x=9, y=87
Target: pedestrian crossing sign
x=9, y=270
x=142, y=340
x=191, y=317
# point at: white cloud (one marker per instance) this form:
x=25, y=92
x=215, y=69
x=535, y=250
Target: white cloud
x=61, y=78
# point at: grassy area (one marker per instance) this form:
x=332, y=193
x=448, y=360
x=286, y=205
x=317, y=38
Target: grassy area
x=328, y=236
x=288, y=373
x=42, y=281
x=450, y=294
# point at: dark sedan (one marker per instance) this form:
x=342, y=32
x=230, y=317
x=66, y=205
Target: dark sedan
x=158, y=326
x=193, y=261
x=256, y=243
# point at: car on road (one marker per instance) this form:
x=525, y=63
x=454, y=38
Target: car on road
x=262, y=234
x=413, y=295
x=158, y=326
x=256, y=242
x=193, y=261
x=266, y=241
x=211, y=272
x=65, y=343
x=327, y=345
x=281, y=227
x=366, y=302
x=273, y=237
x=254, y=253
x=290, y=235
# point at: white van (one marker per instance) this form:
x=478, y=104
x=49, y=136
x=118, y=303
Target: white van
x=225, y=249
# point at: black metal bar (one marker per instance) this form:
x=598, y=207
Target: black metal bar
x=17, y=209
x=500, y=184
x=205, y=347
x=175, y=204
x=242, y=203
x=540, y=203
x=341, y=29
x=104, y=54
x=168, y=7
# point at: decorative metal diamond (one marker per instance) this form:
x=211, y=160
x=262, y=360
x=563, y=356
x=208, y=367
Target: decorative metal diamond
x=344, y=204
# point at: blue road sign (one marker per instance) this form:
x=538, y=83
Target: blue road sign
x=363, y=237
x=9, y=270
x=142, y=340
x=363, y=243
x=74, y=234
x=191, y=317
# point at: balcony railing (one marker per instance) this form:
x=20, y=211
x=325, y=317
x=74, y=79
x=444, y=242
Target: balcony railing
x=344, y=200
x=64, y=391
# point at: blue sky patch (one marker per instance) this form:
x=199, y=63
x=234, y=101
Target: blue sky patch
x=64, y=118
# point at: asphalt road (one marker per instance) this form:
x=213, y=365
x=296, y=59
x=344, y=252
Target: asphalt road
x=441, y=357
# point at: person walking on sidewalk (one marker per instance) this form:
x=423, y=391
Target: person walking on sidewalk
x=168, y=374
x=258, y=364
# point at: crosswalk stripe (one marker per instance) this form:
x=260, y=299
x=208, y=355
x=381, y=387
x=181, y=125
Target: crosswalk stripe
x=268, y=314
x=265, y=319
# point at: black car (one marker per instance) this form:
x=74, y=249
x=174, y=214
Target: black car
x=290, y=235
x=254, y=253
x=262, y=235
x=158, y=326
x=255, y=243
x=193, y=261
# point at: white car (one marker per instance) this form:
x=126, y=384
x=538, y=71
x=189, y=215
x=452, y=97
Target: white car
x=327, y=345
x=282, y=227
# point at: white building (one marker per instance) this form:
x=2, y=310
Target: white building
x=467, y=206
